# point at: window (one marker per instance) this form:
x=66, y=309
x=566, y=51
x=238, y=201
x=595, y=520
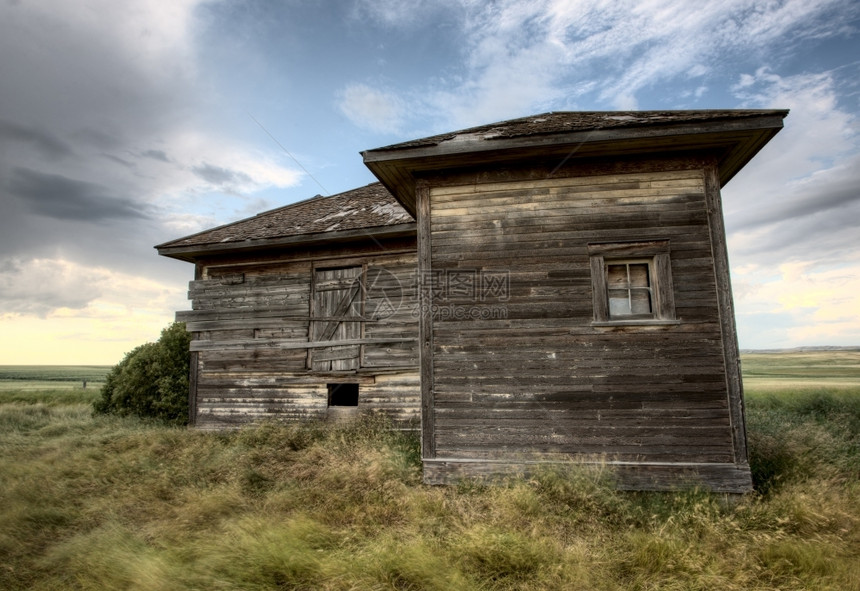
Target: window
x=628, y=285
x=632, y=283
x=343, y=394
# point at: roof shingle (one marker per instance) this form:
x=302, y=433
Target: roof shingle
x=366, y=207
x=572, y=121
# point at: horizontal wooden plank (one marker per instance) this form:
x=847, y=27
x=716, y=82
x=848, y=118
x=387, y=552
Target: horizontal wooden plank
x=662, y=176
x=287, y=343
x=237, y=314
x=579, y=234
x=492, y=428
x=550, y=220
x=585, y=203
x=249, y=321
x=252, y=281
x=676, y=396
x=470, y=414
x=718, y=477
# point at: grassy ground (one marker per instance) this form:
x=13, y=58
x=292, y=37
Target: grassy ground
x=107, y=503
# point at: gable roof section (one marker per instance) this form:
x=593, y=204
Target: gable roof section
x=734, y=135
x=345, y=216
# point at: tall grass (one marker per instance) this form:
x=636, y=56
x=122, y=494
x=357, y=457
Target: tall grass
x=50, y=397
x=115, y=503
x=803, y=434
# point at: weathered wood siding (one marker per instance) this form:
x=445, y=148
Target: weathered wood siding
x=260, y=330
x=544, y=380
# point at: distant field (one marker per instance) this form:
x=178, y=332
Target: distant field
x=801, y=369
x=51, y=377
x=761, y=371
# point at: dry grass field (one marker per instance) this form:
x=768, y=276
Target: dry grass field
x=116, y=503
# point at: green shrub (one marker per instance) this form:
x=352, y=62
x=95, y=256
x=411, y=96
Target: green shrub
x=152, y=380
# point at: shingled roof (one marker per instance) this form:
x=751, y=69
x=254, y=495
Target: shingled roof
x=371, y=206
x=571, y=121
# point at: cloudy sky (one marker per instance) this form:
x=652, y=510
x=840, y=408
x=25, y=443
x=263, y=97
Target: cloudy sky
x=127, y=124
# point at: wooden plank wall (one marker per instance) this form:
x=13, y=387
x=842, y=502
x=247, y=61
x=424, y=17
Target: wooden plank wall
x=251, y=324
x=545, y=382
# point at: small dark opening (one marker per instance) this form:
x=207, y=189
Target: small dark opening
x=343, y=394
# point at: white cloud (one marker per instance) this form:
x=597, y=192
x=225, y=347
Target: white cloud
x=371, y=109
x=521, y=57
x=202, y=162
x=811, y=304
x=65, y=312
x=52, y=287
x=400, y=13
x=108, y=99
x=791, y=216
x=151, y=34
x=185, y=224
x=40, y=286
x=811, y=168
x=133, y=110
x=697, y=70
x=116, y=65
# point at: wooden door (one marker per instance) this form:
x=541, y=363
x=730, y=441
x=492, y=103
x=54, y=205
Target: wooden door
x=338, y=297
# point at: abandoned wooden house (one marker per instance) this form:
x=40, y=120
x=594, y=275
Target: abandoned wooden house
x=571, y=300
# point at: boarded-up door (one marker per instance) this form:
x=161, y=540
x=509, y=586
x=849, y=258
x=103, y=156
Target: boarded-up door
x=338, y=296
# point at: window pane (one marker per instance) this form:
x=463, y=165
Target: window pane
x=616, y=276
x=639, y=275
x=619, y=302
x=640, y=301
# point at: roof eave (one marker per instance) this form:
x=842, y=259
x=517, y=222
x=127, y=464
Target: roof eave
x=737, y=141
x=194, y=252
